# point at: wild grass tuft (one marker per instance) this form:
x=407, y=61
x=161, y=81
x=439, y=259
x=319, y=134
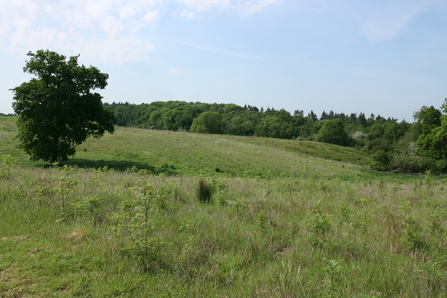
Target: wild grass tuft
x=205, y=191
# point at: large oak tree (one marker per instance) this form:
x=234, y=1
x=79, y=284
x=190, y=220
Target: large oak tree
x=57, y=109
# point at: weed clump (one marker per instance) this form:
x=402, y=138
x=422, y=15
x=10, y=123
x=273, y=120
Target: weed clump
x=205, y=191
x=7, y=161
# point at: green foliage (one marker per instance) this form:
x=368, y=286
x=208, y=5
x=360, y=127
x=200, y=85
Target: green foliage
x=65, y=186
x=381, y=159
x=134, y=226
x=246, y=121
x=277, y=124
x=412, y=232
x=373, y=234
x=7, y=161
x=220, y=191
x=205, y=191
x=427, y=118
x=333, y=271
x=90, y=205
x=333, y=132
x=431, y=126
x=433, y=143
x=365, y=212
x=319, y=226
x=271, y=238
x=57, y=110
x=409, y=164
x=207, y=122
x=391, y=147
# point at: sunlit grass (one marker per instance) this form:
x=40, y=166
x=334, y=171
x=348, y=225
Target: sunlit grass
x=258, y=237
x=279, y=223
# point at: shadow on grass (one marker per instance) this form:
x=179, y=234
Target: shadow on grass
x=121, y=165
x=118, y=165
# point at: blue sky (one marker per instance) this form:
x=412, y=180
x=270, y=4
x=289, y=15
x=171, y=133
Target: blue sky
x=381, y=57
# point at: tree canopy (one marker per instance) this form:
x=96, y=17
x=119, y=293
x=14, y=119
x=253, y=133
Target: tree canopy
x=57, y=109
x=333, y=131
x=207, y=122
x=432, y=125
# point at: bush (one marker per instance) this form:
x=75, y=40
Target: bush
x=441, y=166
x=205, y=191
x=333, y=132
x=409, y=164
x=381, y=160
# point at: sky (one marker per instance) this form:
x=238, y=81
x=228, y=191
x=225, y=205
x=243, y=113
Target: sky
x=381, y=57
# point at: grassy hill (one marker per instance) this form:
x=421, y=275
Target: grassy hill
x=285, y=219
x=183, y=153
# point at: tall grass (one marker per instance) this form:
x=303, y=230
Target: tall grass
x=282, y=221
x=277, y=237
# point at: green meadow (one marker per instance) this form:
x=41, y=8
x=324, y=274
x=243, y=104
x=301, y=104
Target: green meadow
x=150, y=213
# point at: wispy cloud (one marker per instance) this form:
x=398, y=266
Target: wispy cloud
x=240, y=7
x=188, y=14
x=204, y=4
x=246, y=8
x=101, y=29
x=175, y=71
x=217, y=50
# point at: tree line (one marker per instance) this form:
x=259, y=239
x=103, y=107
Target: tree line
x=245, y=121
x=57, y=110
x=393, y=146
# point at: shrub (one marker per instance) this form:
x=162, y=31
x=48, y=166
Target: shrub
x=333, y=132
x=5, y=166
x=381, y=160
x=205, y=191
x=413, y=164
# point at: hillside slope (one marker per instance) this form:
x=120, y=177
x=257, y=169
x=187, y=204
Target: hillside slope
x=189, y=154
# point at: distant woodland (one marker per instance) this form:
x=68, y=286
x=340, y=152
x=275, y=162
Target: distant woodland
x=393, y=146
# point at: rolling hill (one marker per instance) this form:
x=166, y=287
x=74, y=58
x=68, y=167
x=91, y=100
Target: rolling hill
x=182, y=153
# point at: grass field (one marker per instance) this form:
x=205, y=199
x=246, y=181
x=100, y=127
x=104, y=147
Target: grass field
x=285, y=219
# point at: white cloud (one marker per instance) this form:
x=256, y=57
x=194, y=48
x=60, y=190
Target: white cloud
x=241, y=7
x=204, y=4
x=111, y=26
x=253, y=6
x=104, y=29
x=127, y=12
x=187, y=14
x=96, y=28
x=115, y=50
x=150, y=17
x=315, y=7
x=175, y=71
